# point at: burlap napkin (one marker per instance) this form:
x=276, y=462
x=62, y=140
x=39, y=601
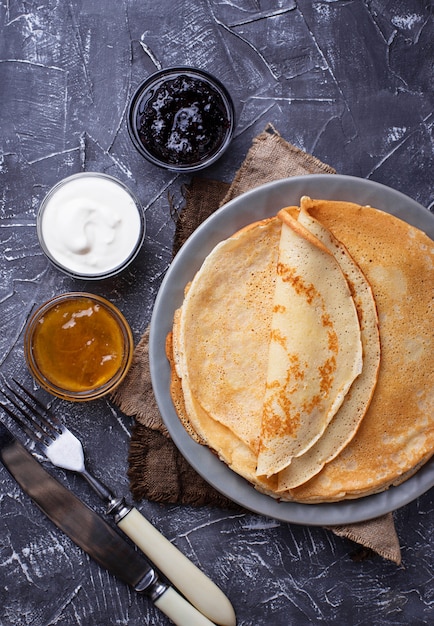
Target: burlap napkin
x=157, y=471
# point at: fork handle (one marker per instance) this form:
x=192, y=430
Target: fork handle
x=189, y=580
x=179, y=610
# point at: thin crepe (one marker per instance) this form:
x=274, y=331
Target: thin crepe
x=221, y=336
x=315, y=349
x=348, y=418
x=396, y=434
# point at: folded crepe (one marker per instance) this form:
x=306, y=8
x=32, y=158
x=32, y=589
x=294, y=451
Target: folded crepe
x=315, y=349
x=343, y=426
x=276, y=360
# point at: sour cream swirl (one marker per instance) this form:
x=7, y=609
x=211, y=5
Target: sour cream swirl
x=90, y=225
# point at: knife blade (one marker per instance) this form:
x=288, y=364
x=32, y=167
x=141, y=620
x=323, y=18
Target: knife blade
x=182, y=573
x=91, y=533
x=66, y=451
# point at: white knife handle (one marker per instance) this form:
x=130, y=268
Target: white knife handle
x=179, y=610
x=184, y=575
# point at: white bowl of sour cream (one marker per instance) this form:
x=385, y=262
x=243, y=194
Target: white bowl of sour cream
x=90, y=225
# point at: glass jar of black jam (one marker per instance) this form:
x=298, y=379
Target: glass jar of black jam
x=181, y=119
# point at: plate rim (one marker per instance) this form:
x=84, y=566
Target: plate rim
x=192, y=254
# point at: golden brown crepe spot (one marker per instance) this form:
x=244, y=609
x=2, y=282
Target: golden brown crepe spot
x=220, y=439
x=326, y=377
x=284, y=421
x=295, y=371
x=288, y=275
x=279, y=308
x=333, y=341
x=275, y=423
x=308, y=407
x=326, y=321
x=274, y=384
x=276, y=336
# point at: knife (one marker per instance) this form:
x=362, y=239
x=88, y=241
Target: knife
x=93, y=534
x=65, y=450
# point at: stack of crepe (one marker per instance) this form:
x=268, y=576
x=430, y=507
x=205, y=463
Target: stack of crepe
x=303, y=352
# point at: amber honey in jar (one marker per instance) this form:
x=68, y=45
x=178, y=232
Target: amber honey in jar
x=78, y=346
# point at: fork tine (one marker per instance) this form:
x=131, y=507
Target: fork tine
x=36, y=433
x=41, y=428
x=23, y=400
x=55, y=420
x=27, y=405
x=40, y=405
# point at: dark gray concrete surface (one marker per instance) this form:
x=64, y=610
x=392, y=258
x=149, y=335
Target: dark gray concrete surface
x=350, y=82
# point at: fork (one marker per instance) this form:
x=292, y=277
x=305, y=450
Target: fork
x=60, y=446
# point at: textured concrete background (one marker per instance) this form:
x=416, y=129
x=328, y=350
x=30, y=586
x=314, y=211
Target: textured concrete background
x=350, y=82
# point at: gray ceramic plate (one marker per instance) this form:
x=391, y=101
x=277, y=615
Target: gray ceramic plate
x=262, y=202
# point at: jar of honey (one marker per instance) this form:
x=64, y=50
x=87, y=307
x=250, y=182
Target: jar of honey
x=78, y=346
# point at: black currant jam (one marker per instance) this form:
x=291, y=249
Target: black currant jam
x=181, y=119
